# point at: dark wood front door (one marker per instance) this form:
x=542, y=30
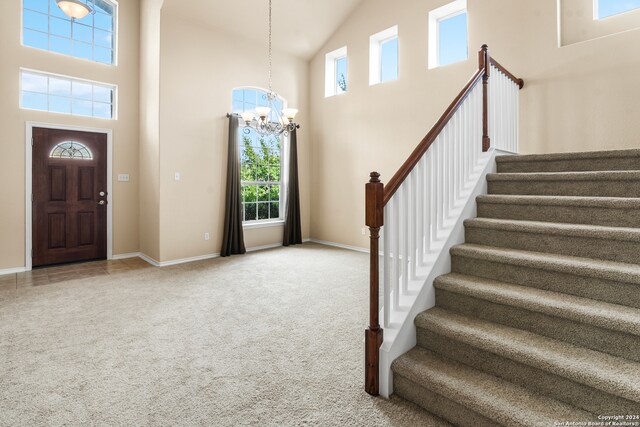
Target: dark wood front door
x=69, y=196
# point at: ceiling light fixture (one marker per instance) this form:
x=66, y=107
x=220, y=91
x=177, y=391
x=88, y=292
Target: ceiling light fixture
x=270, y=120
x=74, y=9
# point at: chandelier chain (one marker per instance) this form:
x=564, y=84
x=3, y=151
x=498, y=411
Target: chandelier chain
x=270, y=56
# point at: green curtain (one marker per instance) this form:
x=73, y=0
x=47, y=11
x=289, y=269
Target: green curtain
x=292, y=226
x=233, y=237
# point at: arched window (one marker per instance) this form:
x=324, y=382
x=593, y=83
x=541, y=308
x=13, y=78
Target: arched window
x=45, y=26
x=260, y=162
x=71, y=150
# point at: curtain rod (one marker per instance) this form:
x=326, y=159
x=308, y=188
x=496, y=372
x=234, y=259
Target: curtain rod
x=229, y=115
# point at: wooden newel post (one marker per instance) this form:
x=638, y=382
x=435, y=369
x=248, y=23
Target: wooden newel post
x=374, y=213
x=485, y=63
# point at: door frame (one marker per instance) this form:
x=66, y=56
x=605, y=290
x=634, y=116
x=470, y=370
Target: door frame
x=29, y=183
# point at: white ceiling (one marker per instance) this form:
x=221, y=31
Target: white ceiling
x=300, y=27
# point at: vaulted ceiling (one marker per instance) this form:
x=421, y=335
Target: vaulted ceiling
x=300, y=27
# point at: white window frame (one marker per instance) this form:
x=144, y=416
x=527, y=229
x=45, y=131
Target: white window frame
x=447, y=11
x=115, y=35
x=284, y=142
x=596, y=7
x=112, y=87
x=331, y=63
x=375, y=53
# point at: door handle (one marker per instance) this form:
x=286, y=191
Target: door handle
x=102, y=202
x=102, y=194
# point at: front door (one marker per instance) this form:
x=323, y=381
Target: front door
x=69, y=196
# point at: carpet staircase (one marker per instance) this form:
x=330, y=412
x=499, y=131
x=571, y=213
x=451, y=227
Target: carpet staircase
x=539, y=320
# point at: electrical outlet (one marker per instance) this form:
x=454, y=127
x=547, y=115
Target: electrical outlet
x=178, y=176
x=206, y=236
x=364, y=231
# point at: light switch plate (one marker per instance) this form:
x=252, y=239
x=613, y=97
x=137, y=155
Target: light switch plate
x=177, y=176
x=123, y=177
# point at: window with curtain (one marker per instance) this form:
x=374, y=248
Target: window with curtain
x=45, y=26
x=260, y=163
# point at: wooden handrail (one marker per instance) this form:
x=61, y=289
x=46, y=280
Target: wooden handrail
x=396, y=181
x=378, y=195
x=513, y=78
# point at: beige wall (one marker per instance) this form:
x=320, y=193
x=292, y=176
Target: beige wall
x=12, y=120
x=149, y=201
x=199, y=69
x=578, y=97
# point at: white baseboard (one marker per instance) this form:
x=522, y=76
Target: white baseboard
x=126, y=256
x=339, y=245
x=157, y=263
x=15, y=270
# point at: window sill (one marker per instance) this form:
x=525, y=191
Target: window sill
x=262, y=224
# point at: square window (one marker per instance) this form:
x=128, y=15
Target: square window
x=59, y=104
x=60, y=27
x=37, y=5
x=103, y=55
x=336, y=76
x=34, y=101
x=45, y=26
x=607, y=8
x=383, y=56
x=35, y=21
x=448, y=34
x=59, y=87
x=60, y=44
x=35, y=39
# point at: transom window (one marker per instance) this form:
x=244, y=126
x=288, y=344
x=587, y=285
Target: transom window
x=448, y=34
x=71, y=150
x=605, y=8
x=45, y=26
x=260, y=162
x=61, y=94
x=383, y=56
x=336, y=73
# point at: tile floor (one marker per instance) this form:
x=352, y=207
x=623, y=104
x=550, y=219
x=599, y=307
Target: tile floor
x=62, y=273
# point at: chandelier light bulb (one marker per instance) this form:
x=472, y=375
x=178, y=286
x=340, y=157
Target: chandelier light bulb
x=247, y=116
x=263, y=112
x=290, y=113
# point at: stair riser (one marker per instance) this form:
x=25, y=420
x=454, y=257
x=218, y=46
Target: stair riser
x=573, y=165
x=609, y=249
x=438, y=405
x=536, y=380
x=599, y=289
x=602, y=188
x=561, y=214
x=580, y=334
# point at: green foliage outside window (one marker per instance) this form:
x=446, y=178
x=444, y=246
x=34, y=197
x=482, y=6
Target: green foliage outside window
x=260, y=170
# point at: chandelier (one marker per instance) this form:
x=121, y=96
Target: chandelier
x=74, y=9
x=270, y=119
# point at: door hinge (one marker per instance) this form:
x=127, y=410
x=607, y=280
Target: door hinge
x=32, y=198
x=32, y=142
x=31, y=253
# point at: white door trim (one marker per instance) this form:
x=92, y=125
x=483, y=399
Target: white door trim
x=29, y=184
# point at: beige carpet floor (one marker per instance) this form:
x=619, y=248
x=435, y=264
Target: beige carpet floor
x=269, y=338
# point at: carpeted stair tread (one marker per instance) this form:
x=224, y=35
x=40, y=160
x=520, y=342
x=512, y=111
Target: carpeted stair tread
x=558, y=229
x=608, y=270
x=487, y=395
x=584, y=310
x=604, y=154
x=614, y=375
x=573, y=201
x=632, y=175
